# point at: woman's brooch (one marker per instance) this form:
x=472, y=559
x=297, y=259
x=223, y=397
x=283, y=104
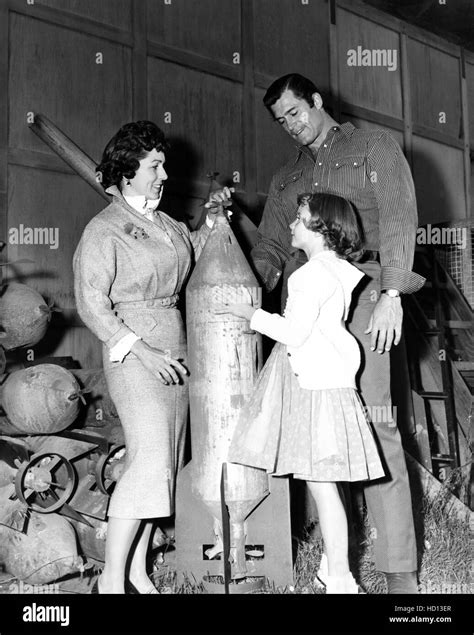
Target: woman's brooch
x=135, y=231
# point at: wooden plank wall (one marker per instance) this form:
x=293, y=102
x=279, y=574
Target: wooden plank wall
x=468, y=92
x=200, y=69
x=3, y=124
x=421, y=101
x=289, y=37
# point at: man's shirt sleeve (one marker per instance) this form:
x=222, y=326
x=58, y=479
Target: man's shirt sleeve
x=398, y=219
x=268, y=255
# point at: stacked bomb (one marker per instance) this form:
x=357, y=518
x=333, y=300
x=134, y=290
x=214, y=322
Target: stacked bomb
x=42, y=399
x=39, y=400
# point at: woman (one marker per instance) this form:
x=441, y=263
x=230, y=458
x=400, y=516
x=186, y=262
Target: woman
x=129, y=267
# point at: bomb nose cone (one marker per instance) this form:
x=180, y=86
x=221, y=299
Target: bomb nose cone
x=222, y=260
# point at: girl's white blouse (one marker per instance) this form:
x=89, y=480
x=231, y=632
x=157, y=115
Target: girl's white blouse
x=322, y=353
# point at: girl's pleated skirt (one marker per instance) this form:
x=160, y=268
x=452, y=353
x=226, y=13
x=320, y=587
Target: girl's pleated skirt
x=316, y=435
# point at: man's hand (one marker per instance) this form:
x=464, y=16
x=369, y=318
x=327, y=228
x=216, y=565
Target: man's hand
x=385, y=323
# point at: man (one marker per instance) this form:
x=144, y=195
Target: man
x=369, y=169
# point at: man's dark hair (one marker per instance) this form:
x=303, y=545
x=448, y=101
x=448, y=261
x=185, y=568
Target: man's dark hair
x=123, y=152
x=302, y=87
x=336, y=220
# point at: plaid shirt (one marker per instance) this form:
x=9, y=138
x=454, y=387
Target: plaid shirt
x=369, y=169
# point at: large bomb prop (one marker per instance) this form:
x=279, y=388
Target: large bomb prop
x=24, y=316
x=42, y=399
x=39, y=551
x=227, y=514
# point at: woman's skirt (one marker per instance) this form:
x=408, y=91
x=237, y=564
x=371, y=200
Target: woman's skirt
x=316, y=435
x=153, y=416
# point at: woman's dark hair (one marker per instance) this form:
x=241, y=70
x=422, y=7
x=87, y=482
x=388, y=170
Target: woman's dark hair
x=301, y=86
x=336, y=220
x=123, y=152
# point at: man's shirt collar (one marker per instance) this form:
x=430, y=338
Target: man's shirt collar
x=345, y=129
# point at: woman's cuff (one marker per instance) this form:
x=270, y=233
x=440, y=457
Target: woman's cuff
x=118, y=352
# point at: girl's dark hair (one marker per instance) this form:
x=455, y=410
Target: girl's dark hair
x=123, y=152
x=335, y=219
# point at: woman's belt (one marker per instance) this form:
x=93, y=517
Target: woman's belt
x=163, y=303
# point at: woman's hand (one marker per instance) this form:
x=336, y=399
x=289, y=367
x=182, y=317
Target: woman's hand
x=218, y=200
x=240, y=310
x=163, y=366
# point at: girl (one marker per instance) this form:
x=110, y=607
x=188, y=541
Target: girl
x=305, y=417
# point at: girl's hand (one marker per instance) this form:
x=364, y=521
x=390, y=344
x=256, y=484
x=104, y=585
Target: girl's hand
x=219, y=199
x=163, y=366
x=245, y=311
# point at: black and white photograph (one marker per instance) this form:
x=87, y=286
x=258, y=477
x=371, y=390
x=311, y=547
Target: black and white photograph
x=236, y=316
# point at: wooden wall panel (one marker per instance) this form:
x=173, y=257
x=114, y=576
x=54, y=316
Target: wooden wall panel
x=293, y=37
x=115, y=13
x=439, y=180
x=59, y=202
x=183, y=207
x=471, y=192
x=73, y=341
x=470, y=99
x=435, y=88
x=373, y=87
x=206, y=121
x=53, y=71
x=369, y=125
x=274, y=145
x=3, y=122
x=209, y=27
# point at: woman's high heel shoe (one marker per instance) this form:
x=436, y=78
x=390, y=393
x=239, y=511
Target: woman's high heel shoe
x=130, y=588
x=95, y=587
